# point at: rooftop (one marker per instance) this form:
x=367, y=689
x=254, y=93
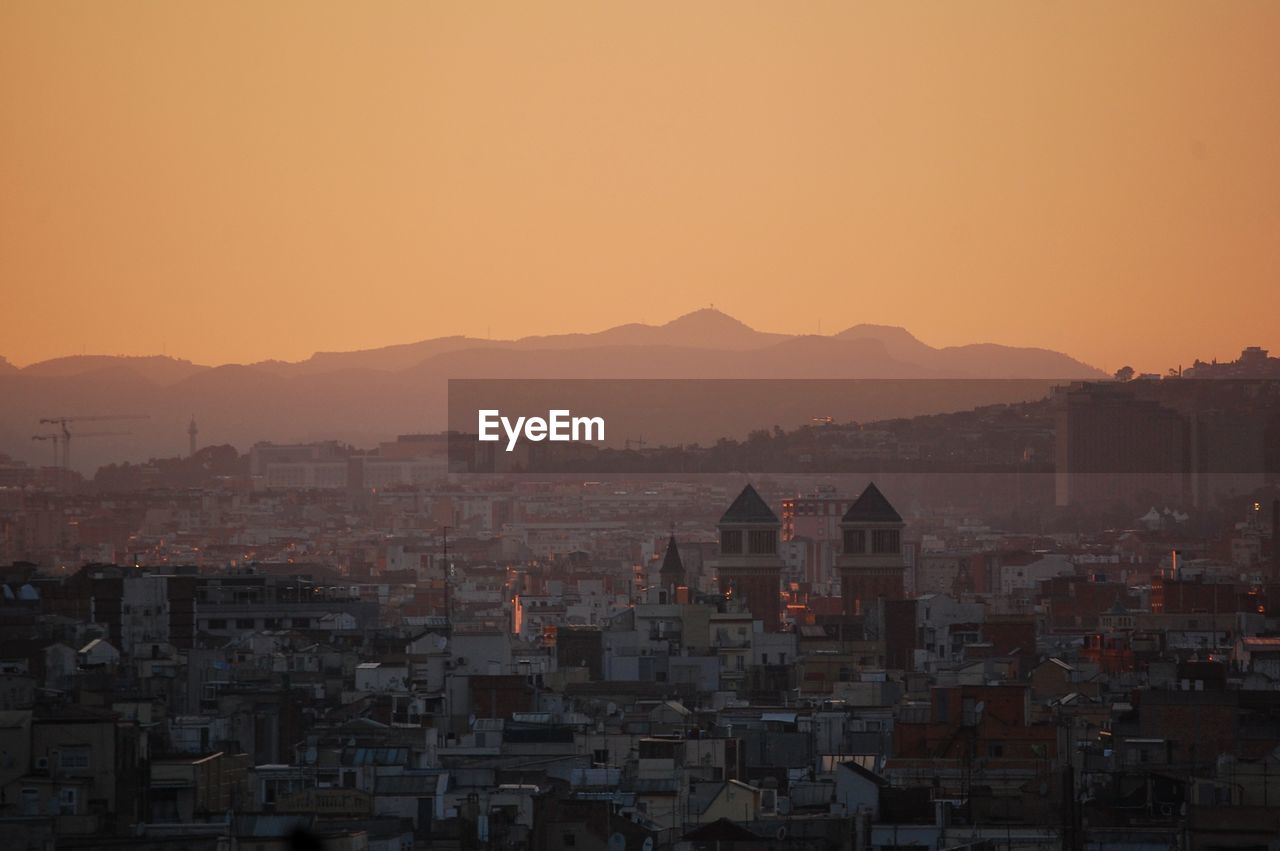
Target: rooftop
x=871, y=507
x=749, y=507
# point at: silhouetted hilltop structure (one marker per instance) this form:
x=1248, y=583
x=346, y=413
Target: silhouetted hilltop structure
x=1254, y=362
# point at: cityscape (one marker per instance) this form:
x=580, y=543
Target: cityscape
x=714, y=426
x=222, y=649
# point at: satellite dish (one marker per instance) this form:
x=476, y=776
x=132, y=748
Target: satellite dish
x=648, y=844
x=617, y=842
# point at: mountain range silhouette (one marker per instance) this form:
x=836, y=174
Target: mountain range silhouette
x=369, y=395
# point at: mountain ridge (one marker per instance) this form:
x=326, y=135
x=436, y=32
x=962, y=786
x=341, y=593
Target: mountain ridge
x=705, y=328
x=367, y=396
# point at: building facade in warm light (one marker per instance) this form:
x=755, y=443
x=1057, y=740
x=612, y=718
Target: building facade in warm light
x=813, y=523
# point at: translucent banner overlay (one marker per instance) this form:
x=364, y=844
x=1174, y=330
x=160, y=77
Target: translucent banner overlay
x=1179, y=428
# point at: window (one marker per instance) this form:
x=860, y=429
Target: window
x=731, y=541
x=855, y=541
x=763, y=542
x=73, y=757
x=995, y=749
x=67, y=801
x=244, y=623
x=216, y=623
x=885, y=541
x=568, y=840
x=764, y=658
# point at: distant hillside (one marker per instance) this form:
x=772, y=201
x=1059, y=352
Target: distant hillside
x=158, y=368
x=366, y=396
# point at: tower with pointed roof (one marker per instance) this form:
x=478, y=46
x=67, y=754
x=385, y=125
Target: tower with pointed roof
x=671, y=574
x=870, y=563
x=748, y=565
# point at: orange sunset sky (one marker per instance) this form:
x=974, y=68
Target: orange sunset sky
x=234, y=181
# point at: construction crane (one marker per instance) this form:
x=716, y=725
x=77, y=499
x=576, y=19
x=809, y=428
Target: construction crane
x=63, y=422
x=638, y=443
x=56, y=437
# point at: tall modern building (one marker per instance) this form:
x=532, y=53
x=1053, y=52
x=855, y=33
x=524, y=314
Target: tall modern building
x=870, y=564
x=813, y=523
x=749, y=567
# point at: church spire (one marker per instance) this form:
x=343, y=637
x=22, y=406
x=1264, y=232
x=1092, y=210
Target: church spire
x=672, y=571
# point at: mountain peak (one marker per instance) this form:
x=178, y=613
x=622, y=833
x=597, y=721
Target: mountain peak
x=708, y=318
x=885, y=333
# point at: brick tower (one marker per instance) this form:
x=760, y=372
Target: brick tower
x=748, y=565
x=870, y=562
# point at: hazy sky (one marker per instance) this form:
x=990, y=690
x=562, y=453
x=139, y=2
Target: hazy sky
x=237, y=181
